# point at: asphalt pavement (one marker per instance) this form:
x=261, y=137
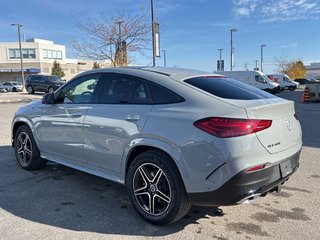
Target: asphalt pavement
x=58, y=202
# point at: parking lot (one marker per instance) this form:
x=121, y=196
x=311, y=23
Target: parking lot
x=58, y=202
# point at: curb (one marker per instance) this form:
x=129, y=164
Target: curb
x=17, y=100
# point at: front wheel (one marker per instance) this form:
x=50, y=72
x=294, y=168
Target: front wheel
x=156, y=189
x=30, y=90
x=26, y=150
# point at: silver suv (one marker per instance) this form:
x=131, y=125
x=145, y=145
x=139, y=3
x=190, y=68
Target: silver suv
x=174, y=137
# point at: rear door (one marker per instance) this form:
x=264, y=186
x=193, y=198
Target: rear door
x=115, y=120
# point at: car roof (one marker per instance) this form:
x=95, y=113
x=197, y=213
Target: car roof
x=178, y=74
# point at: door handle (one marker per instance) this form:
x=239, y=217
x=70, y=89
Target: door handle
x=76, y=114
x=132, y=118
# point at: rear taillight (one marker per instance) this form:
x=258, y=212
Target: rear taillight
x=231, y=127
x=256, y=168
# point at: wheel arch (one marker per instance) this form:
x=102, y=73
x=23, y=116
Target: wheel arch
x=18, y=123
x=153, y=144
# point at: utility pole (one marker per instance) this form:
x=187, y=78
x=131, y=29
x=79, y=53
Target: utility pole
x=153, y=40
x=21, y=61
x=118, y=49
x=164, y=58
x=232, y=49
x=256, y=64
x=261, y=60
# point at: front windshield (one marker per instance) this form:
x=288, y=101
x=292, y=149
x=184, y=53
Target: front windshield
x=265, y=77
x=287, y=79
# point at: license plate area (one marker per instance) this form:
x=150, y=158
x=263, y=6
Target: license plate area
x=285, y=168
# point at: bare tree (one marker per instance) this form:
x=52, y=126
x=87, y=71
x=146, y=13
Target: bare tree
x=112, y=39
x=282, y=63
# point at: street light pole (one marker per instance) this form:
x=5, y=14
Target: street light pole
x=232, y=49
x=153, y=40
x=164, y=58
x=256, y=64
x=21, y=61
x=220, y=58
x=261, y=60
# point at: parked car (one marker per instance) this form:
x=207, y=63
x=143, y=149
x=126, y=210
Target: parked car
x=284, y=81
x=2, y=89
x=302, y=80
x=254, y=78
x=174, y=137
x=12, y=86
x=43, y=83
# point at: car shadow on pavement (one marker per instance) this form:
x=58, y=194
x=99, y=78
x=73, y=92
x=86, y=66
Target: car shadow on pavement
x=62, y=197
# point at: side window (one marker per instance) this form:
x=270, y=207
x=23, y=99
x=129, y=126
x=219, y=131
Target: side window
x=162, y=95
x=260, y=79
x=43, y=79
x=124, y=90
x=79, y=90
x=35, y=78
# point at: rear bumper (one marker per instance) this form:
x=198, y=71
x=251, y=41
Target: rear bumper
x=246, y=186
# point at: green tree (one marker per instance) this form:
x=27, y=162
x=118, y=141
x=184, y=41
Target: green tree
x=57, y=70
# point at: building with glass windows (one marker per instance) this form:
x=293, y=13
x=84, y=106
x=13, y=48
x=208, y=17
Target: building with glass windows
x=38, y=57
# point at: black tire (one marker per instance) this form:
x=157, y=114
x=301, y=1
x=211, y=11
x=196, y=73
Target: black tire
x=50, y=90
x=30, y=89
x=166, y=188
x=26, y=150
x=14, y=89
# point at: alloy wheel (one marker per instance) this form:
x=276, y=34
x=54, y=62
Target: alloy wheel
x=24, y=149
x=152, y=189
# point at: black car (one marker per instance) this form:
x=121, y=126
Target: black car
x=303, y=81
x=43, y=83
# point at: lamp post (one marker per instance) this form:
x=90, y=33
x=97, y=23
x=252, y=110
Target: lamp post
x=220, y=58
x=232, y=49
x=21, y=61
x=164, y=58
x=153, y=40
x=261, y=60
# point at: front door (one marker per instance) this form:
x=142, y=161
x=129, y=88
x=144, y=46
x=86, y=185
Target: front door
x=61, y=125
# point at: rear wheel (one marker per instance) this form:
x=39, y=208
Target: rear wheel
x=156, y=189
x=14, y=89
x=26, y=150
x=30, y=90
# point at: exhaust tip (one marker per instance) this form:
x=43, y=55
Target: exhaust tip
x=249, y=198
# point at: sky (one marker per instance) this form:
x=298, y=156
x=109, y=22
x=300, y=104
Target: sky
x=191, y=31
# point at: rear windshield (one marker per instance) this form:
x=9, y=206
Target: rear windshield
x=228, y=88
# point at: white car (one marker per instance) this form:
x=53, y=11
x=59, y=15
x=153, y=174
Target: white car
x=174, y=137
x=12, y=86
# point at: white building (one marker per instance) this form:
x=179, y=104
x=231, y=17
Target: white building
x=313, y=71
x=38, y=57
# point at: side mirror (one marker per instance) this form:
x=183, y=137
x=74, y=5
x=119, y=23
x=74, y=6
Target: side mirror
x=48, y=98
